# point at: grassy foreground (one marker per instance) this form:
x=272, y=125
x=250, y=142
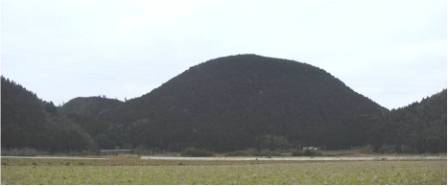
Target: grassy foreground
x=134, y=171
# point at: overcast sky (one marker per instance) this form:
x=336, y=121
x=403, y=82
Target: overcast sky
x=393, y=52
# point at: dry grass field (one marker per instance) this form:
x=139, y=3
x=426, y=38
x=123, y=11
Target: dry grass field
x=132, y=170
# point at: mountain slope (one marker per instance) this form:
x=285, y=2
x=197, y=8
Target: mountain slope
x=237, y=101
x=28, y=122
x=420, y=126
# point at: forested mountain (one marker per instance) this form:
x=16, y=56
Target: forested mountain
x=241, y=101
x=420, y=126
x=225, y=104
x=86, y=112
x=28, y=122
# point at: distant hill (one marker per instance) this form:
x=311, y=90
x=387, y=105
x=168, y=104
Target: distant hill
x=86, y=112
x=29, y=122
x=89, y=106
x=248, y=101
x=420, y=126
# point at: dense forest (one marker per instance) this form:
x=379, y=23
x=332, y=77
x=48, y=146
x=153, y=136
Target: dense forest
x=418, y=127
x=86, y=111
x=29, y=122
x=226, y=104
x=238, y=102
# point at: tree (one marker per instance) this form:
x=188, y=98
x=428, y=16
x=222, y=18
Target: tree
x=50, y=107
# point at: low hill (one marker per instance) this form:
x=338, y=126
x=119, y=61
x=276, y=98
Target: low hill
x=248, y=101
x=89, y=106
x=86, y=112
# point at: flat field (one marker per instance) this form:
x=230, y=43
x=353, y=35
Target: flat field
x=132, y=170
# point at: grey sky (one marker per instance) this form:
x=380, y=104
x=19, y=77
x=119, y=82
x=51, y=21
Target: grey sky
x=391, y=51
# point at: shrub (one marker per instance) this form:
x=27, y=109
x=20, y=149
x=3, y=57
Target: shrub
x=195, y=152
x=254, y=152
x=306, y=152
x=22, y=152
x=142, y=150
x=368, y=149
x=246, y=152
x=311, y=153
x=268, y=153
x=297, y=153
x=387, y=149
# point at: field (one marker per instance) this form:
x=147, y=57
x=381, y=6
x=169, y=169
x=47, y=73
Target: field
x=131, y=170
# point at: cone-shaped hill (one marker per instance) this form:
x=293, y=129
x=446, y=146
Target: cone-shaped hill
x=248, y=101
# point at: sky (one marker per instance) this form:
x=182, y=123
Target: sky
x=392, y=51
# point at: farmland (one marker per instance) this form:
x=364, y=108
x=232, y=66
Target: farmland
x=132, y=170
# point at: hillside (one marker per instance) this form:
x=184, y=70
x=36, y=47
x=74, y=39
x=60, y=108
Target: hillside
x=420, y=126
x=86, y=112
x=29, y=122
x=248, y=101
